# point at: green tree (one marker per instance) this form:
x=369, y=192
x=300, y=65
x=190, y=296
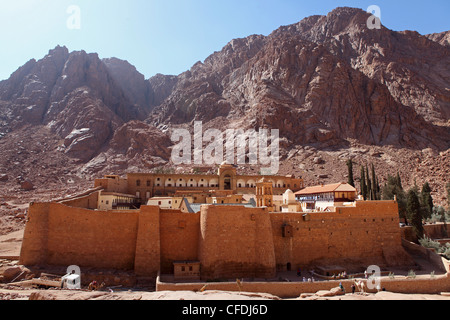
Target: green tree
x=414, y=212
x=351, y=181
x=399, y=181
x=393, y=188
x=369, y=184
x=363, y=183
x=427, y=201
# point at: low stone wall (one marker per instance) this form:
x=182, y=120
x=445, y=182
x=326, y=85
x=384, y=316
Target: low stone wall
x=286, y=290
x=433, y=231
x=430, y=255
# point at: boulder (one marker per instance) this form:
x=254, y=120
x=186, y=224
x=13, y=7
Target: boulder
x=330, y=293
x=27, y=186
x=15, y=273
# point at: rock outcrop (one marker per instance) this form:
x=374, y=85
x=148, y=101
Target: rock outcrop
x=334, y=89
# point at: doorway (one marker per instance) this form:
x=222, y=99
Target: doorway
x=227, y=182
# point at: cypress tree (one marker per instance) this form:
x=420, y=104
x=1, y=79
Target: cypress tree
x=369, y=185
x=393, y=189
x=427, y=200
x=363, y=183
x=413, y=210
x=351, y=181
x=375, y=185
x=399, y=181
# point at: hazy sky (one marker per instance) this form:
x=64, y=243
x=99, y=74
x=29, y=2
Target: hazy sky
x=169, y=36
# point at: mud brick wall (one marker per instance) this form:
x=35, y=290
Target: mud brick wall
x=363, y=235
x=236, y=242
x=148, y=250
x=179, y=238
x=60, y=235
x=229, y=241
x=35, y=237
x=89, y=201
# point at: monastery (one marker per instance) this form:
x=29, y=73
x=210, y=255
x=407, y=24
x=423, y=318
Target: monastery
x=206, y=227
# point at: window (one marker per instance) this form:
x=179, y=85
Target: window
x=148, y=183
x=138, y=183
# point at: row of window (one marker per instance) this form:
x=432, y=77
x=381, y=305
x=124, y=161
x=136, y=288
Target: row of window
x=203, y=183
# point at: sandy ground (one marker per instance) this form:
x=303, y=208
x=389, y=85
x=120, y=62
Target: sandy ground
x=16, y=294
x=10, y=244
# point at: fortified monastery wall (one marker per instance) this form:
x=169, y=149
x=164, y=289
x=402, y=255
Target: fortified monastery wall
x=227, y=241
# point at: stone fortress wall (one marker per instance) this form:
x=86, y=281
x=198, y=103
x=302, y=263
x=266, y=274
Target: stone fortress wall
x=227, y=241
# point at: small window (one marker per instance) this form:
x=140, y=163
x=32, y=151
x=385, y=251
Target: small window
x=148, y=183
x=138, y=183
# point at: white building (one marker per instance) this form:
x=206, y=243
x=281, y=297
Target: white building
x=323, y=197
x=290, y=204
x=162, y=202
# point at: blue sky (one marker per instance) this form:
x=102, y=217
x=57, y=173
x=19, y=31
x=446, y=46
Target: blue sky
x=169, y=36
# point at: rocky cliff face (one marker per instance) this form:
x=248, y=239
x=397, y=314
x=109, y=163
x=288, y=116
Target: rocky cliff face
x=322, y=80
x=334, y=89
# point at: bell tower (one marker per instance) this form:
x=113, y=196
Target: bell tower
x=264, y=194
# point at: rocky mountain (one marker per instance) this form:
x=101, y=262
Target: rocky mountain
x=334, y=89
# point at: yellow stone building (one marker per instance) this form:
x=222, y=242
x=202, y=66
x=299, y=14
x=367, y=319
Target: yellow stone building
x=145, y=186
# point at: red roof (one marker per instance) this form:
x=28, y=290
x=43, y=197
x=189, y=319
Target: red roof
x=337, y=187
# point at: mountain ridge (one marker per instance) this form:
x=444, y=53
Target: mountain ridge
x=334, y=89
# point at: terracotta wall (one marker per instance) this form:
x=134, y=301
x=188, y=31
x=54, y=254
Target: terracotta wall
x=60, y=235
x=148, y=245
x=229, y=241
x=433, y=231
x=362, y=235
x=88, y=201
x=236, y=242
x=179, y=238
